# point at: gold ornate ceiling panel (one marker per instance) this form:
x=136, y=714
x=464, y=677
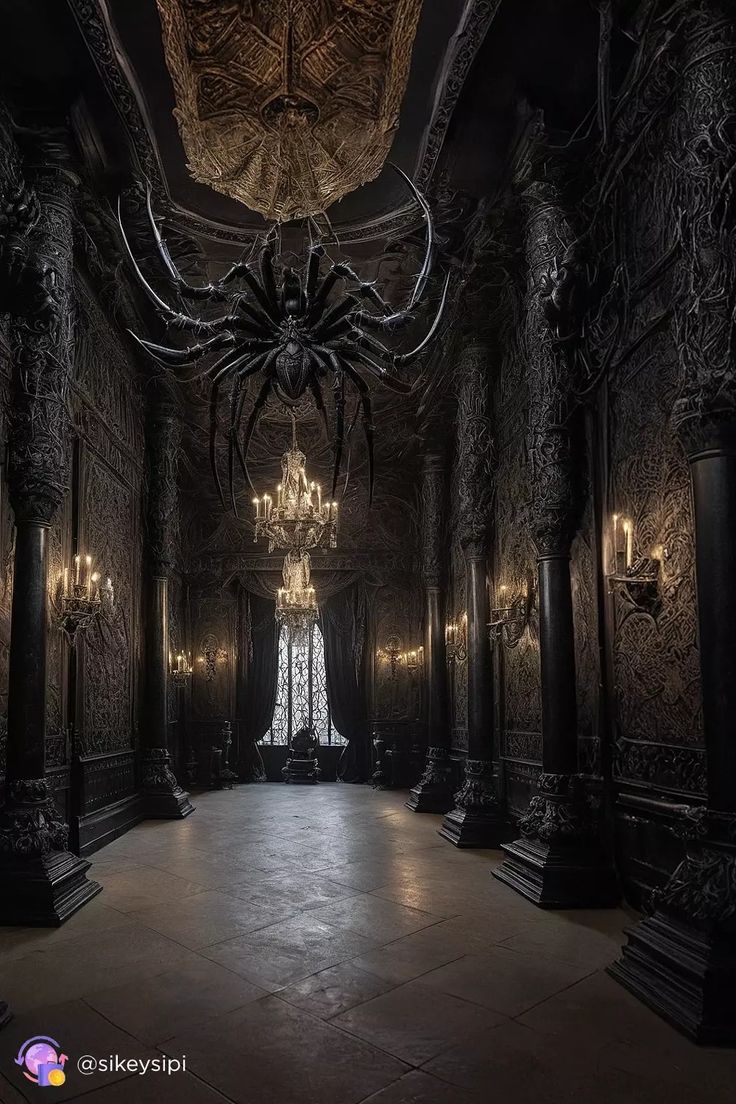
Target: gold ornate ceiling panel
x=288, y=105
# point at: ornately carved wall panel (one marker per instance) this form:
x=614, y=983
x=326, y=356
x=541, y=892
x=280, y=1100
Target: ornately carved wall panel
x=397, y=613
x=515, y=560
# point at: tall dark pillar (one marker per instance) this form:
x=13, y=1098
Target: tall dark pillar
x=433, y=792
x=681, y=960
x=162, y=795
x=42, y=882
x=558, y=861
x=477, y=819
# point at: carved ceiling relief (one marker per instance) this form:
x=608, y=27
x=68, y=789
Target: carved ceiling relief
x=288, y=106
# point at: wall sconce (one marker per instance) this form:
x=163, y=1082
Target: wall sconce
x=638, y=579
x=511, y=616
x=180, y=669
x=456, y=640
x=81, y=598
x=209, y=656
x=415, y=660
x=392, y=652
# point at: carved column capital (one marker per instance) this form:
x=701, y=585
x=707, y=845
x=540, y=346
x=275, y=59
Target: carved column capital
x=474, y=449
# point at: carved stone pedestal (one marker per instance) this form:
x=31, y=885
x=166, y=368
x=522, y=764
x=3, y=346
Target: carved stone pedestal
x=433, y=791
x=477, y=820
x=43, y=883
x=681, y=961
x=558, y=862
x=163, y=797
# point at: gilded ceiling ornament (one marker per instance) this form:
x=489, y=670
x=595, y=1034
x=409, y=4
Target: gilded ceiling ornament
x=288, y=105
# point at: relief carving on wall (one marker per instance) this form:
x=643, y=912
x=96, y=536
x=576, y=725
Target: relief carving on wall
x=288, y=106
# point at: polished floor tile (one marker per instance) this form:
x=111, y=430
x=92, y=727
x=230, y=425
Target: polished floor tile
x=324, y=946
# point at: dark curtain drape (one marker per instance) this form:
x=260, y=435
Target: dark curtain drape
x=343, y=624
x=260, y=641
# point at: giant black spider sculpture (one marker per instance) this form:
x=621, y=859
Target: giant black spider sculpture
x=287, y=326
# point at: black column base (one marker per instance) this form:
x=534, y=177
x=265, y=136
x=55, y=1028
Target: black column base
x=558, y=862
x=684, y=975
x=433, y=791
x=559, y=875
x=44, y=890
x=477, y=820
x=163, y=798
x=43, y=884
x=681, y=961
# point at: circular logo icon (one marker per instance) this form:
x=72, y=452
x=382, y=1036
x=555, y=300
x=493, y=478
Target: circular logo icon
x=42, y=1061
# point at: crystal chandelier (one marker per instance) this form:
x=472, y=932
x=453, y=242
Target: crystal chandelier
x=296, y=601
x=300, y=518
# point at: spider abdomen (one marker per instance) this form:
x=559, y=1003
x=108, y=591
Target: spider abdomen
x=292, y=366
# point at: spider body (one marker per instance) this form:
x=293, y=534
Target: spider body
x=294, y=329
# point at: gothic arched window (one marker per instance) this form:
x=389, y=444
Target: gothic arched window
x=301, y=696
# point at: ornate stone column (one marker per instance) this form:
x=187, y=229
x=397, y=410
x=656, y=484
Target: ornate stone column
x=433, y=792
x=557, y=862
x=162, y=795
x=681, y=960
x=477, y=818
x=42, y=882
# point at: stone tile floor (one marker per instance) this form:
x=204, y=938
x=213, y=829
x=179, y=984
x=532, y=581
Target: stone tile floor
x=324, y=946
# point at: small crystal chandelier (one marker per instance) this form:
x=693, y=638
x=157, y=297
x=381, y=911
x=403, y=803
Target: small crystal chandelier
x=84, y=599
x=300, y=518
x=296, y=601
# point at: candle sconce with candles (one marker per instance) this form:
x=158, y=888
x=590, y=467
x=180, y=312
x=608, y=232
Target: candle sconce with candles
x=456, y=640
x=392, y=653
x=510, y=617
x=298, y=518
x=210, y=655
x=636, y=578
x=82, y=599
x=415, y=660
x=180, y=668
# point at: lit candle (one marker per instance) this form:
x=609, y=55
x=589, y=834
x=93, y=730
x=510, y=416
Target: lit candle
x=65, y=583
x=87, y=572
x=77, y=560
x=280, y=496
x=255, y=503
x=319, y=498
x=629, y=543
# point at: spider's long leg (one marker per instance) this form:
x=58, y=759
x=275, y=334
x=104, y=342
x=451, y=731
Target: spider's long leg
x=382, y=374
x=319, y=402
x=214, y=394
x=391, y=322
x=237, y=398
x=257, y=407
x=173, y=357
x=334, y=316
x=426, y=268
x=405, y=358
x=249, y=347
x=365, y=403
x=262, y=363
x=316, y=253
x=189, y=291
x=338, y=390
x=267, y=277
x=322, y=294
